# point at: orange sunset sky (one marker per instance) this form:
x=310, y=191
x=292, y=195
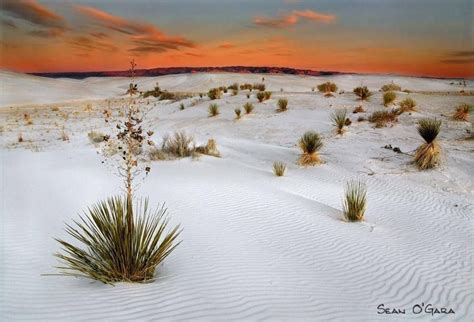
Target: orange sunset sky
x=422, y=37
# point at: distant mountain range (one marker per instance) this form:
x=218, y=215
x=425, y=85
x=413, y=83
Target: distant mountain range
x=187, y=70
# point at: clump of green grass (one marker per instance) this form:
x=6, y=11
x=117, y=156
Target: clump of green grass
x=248, y=107
x=362, y=92
x=407, y=105
x=96, y=137
x=391, y=87
x=178, y=145
x=282, y=105
x=238, y=113
x=340, y=120
x=428, y=155
x=116, y=248
x=310, y=143
x=213, y=110
x=382, y=118
x=355, y=201
x=279, y=168
x=462, y=112
x=261, y=87
x=327, y=87
x=389, y=98
x=214, y=93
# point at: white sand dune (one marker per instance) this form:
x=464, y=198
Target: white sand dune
x=255, y=246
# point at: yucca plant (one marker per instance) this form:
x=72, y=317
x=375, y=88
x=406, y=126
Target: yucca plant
x=428, y=155
x=355, y=201
x=310, y=143
x=119, y=244
x=407, y=105
x=261, y=96
x=237, y=113
x=282, y=105
x=213, y=110
x=362, y=92
x=340, y=119
x=279, y=168
x=389, y=98
x=462, y=112
x=327, y=87
x=248, y=107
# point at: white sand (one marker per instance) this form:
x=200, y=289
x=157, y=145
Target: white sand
x=255, y=246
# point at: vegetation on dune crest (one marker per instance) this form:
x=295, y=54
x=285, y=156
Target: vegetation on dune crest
x=362, y=92
x=279, y=168
x=310, y=143
x=214, y=93
x=428, y=155
x=261, y=87
x=389, y=98
x=327, y=87
x=462, y=112
x=355, y=201
x=391, y=87
x=120, y=242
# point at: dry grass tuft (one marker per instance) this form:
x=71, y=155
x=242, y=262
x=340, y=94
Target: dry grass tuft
x=355, y=201
x=268, y=95
x=214, y=93
x=340, y=120
x=246, y=86
x=362, y=92
x=310, y=143
x=96, y=137
x=261, y=96
x=179, y=145
x=209, y=149
x=88, y=108
x=279, y=168
x=213, y=110
x=261, y=87
x=327, y=87
x=28, y=119
x=407, y=105
x=428, y=155
x=389, y=98
x=382, y=118
x=282, y=105
x=391, y=87
x=358, y=109
x=55, y=108
x=238, y=113
x=248, y=107
x=462, y=112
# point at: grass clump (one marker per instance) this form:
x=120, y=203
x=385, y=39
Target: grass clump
x=362, y=92
x=428, y=155
x=234, y=86
x=382, y=118
x=261, y=87
x=213, y=110
x=246, y=86
x=407, y=105
x=167, y=96
x=116, y=247
x=327, y=87
x=181, y=106
x=462, y=112
x=209, y=149
x=389, y=98
x=28, y=119
x=156, y=92
x=358, y=109
x=261, y=96
x=267, y=95
x=391, y=87
x=310, y=143
x=96, y=137
x=179, y=145
x=279, y=168
x=214, y=93
x=340, y=120
x=355, y=201
x=238, y=113
x=282, y=105
x=248, y=107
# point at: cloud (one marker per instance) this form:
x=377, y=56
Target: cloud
x=462, y=53
x=32, y=12
x=9, y=23
x=293, y=18
x=145, y=37
x=86, y=43
x=47, y=33
x=226, y=45
x=459, y=57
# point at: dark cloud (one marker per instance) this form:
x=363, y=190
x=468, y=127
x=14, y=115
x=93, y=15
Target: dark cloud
x=86, y=43
x=33, y=12
x=8, y=23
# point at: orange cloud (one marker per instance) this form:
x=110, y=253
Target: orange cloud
x=293, y=18
x=226, y=45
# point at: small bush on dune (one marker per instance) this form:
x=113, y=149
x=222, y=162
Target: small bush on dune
x=339, y=119
x=428, y=155
x=382, y=118
x=279, y=168
x=358, y=109
x=310, y=143
x=55, y=108
x=260, y=87
x=391, y=87
x=234, y=86
x=235, y=92
x=179, y=145
x=389, y=97
x=96, y=137
x=462, y=112
x=156, y=154
x=213, y=110
x=214, y=93
x=88, y=108
x=28, y=119
x=355, y=201
x=248, y=107
x=167, y=96
x=209, y=149
x=282, y=105
x=246, y=86
x=407, y=105
x=181, y=106
x=327, y=87
x=267, y=95
x=362, y=92
x=261, y=96
x=238, y=112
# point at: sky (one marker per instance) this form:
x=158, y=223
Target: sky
x=407, y=37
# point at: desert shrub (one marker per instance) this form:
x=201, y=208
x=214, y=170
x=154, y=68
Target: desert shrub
x=355, y=201
x=282, y=105
x=234, y=87
x=20, y=138
x=156, y=92
x=261, y=96
x=391, y=87
x=28, y=119
x=248, y=107
x=96, y=137
x=213, y=110
x=223, y=89
x=267, y=95
x=358, y=109
x=279, y=168
x=181, y=106
x=382, y=118
x=339, y=119
x=235, y=92
x=55, y=108
x=214, y=93
x=362, y=92
x=462, y=112
x=178, y=145
x=389, y=97
x=261, y=87
x=246, y=86
x=238, y=112
x=156, y=154
x=167, y=96
x=428, y=155
x=209, y=149
x=117, y=245
x=310, y=143
x=327, y=87
x=407, y=105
